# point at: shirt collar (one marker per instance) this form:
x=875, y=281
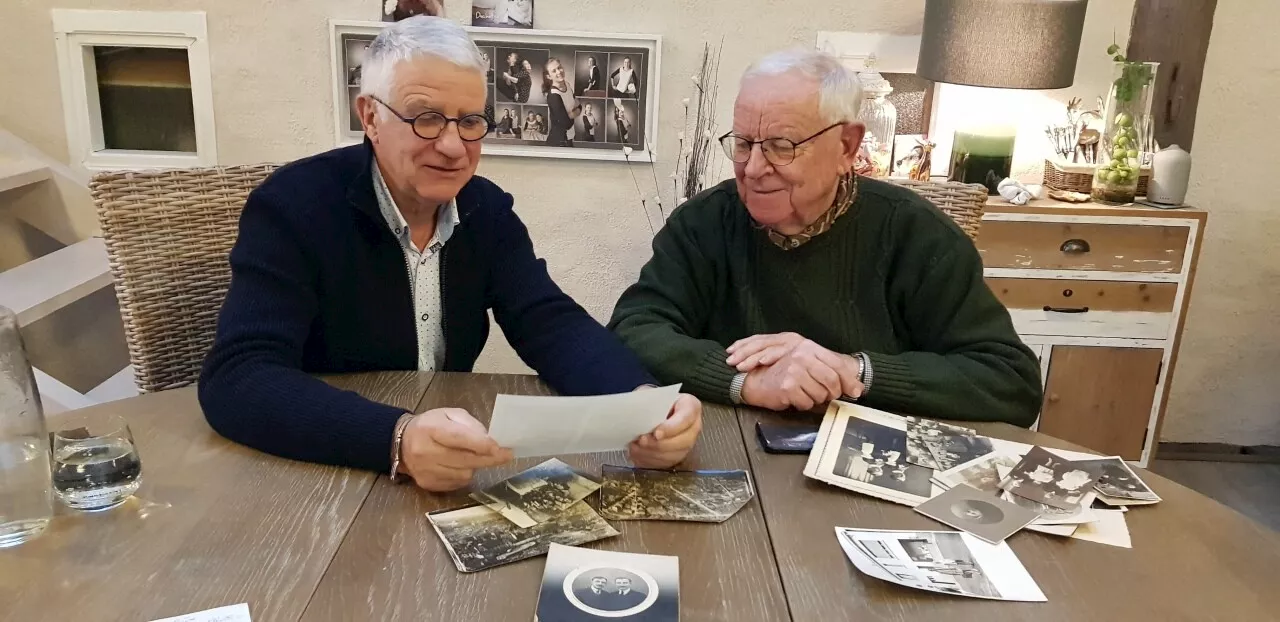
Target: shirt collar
x=446, y=218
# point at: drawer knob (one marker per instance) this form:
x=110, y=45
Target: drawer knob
x=1075, y=247
x=1066, y=309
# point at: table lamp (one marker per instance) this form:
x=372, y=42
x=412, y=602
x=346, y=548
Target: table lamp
x=1006, y=44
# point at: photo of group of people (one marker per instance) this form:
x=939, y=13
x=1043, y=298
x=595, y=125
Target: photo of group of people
x=561, y=96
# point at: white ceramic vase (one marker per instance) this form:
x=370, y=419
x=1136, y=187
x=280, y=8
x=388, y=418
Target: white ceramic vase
x=1171, y=168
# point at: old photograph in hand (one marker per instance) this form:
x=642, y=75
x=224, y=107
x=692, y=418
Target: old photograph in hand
x=538, y=494
x=478, y=538
x=651, y=494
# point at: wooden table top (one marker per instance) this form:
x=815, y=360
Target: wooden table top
x=217, y=524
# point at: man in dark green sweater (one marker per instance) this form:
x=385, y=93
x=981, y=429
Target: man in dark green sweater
x=800, y=282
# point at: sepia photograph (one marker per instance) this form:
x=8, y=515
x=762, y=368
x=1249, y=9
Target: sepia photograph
x=628, y=493
x=478, y=538
x=979, y=513
x=625, y=76
x=980, y=473
x=502, y=13
x=1118, y=482
x=589, y=74
x=580, y=584
x=876, y=454
x=538, y=494
x=1049, y=479
x=937, y=561
x=942, y=446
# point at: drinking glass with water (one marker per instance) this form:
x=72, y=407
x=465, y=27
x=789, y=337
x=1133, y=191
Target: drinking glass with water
x=95, y=462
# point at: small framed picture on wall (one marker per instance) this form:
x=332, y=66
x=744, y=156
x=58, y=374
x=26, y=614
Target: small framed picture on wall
x=571, y=95
x=502, y=13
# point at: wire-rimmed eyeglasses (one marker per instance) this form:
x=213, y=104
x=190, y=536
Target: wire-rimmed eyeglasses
x=778, y=151
x=430, y=124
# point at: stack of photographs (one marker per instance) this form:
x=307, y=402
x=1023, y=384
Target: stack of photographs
x=865, y=450
x=942, y=562
x=1049, y=479
x=941, y=446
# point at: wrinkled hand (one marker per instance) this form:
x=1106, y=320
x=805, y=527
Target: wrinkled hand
x=788, y=371
x=669, y=443
x=442, y=448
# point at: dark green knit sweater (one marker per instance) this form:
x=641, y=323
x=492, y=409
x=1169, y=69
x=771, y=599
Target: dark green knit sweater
x=894, y=277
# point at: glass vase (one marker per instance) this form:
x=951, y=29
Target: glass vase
x=880, y=117
x=1126, y=137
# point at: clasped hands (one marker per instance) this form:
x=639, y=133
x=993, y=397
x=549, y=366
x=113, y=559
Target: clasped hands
x=441, y=449
x=785, y=370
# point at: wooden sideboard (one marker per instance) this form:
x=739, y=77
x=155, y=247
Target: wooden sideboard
x=1100, y=294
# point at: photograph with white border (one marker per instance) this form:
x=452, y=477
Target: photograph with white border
x=580, y=584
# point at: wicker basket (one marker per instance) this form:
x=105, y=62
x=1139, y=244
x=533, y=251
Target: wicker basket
x=1079, y=177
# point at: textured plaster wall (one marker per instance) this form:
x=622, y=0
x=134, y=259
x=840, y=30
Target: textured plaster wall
x=1225, y=388
x=270, y=63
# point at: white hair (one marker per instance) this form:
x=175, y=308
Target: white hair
x=421, y=35
x=839, y=92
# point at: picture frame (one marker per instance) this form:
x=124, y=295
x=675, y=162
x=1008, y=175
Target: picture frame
x=623, y=113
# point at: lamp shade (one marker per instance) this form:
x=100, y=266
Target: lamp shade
x=1011, y=44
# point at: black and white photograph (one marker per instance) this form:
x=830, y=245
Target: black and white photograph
x=478, y=538
x=1050, y=515
x=1049, y=479
x=1118, y=484
x=628, y=493
x=876, y=454
x=979, y=513
x=620, y=126
x=502, y=13
x=533, y=121
x=538, y=494
x=580, y=584
x=490, y=55
x=518, y=76
x=507, y=121
x=589, y=126
x=937, y=561
x=589, y=78
x=626, y=76
x=980, y=473
x=943, y=446
x=396, y=10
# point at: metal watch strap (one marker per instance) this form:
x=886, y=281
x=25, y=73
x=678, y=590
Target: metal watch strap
x=867, y=373
x=735, y=387
x=396, y=437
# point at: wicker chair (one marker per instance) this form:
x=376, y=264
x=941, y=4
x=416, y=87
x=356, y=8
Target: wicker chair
x=964, y=203
x=168, y=235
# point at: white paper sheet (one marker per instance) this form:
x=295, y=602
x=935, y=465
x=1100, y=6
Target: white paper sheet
x=230, y=613
x=1110, y=529
x=535, y=425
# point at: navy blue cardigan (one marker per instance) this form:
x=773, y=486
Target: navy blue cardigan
x=319, y=285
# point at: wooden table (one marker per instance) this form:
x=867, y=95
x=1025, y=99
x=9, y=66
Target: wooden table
x=217, y=524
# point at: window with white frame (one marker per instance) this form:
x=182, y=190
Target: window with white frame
x=136, y=89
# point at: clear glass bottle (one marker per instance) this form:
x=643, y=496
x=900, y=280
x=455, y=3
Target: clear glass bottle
x=1126, y=138
x=881, y=118
x=26, y=483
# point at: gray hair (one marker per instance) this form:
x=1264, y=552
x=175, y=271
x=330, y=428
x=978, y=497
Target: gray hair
x=421, y=35
x=839, y=92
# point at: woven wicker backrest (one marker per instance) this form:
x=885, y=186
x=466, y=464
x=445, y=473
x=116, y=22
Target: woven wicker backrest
x=964, y=203
x=168, y=235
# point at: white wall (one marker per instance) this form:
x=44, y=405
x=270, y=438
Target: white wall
x=1227, y=384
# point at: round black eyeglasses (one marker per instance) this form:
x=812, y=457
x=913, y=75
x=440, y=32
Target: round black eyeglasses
x=778, y=151
x=430, y=124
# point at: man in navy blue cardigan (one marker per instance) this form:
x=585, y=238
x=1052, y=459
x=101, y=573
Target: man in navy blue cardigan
x=389, y=255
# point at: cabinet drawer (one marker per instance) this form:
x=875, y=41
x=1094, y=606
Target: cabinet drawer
x=1082, y=246
x=1087, y=308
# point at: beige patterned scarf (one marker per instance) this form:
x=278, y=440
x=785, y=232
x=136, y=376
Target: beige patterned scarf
x=845, y=195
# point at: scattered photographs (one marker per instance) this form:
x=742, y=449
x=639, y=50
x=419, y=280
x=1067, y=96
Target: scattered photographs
x=564, y=98
x=942, y=446
x=864, y=450
x=978, y=513
x=1050, y=515
x=944, y=562
x=1118, y=485
x=1049, y=479
x=502, y=13
x=581, y=584
x=538, y=494
x=980, y=473
x=479, y=538
x=648, y=494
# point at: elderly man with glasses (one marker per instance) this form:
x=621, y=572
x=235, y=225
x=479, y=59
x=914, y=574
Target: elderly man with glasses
x=799, y=282
x=389, y=255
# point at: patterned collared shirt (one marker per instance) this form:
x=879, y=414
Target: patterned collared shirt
x=424, y=271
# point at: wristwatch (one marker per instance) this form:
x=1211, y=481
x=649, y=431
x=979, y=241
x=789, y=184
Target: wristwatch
x=735, y=387
x=396, y=437
x=866, y=375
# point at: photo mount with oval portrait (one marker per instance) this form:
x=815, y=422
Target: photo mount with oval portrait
x=587, y=584
x=980, y=513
